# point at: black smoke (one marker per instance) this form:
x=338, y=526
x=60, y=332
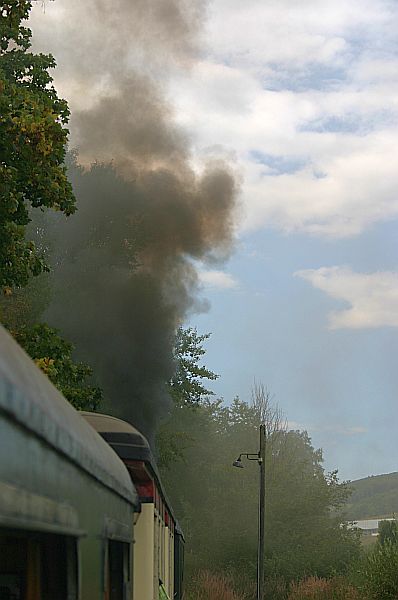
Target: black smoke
x=123, y=267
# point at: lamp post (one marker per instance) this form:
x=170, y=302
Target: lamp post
x=260, y=458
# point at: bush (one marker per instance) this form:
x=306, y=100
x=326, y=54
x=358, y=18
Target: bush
x=316, y=588
x=380, y=572
x=214, y=586
x=234, y=586
x=275, y=589
x=388, y=532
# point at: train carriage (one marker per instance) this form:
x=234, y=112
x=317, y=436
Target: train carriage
x=67, y=503
x=159, y=541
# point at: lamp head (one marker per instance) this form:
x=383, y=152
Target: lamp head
x=238, y=463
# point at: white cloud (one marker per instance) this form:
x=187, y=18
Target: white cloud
x=293, y=33
x=372, y=297
x=358, y=429
x=217, y=280
x=336, y=429
x=351, y=183
x=348, y=178
x=295, y=426
x=310, y=83
x=344, y=430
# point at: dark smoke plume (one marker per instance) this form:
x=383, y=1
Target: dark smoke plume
x=124, y=277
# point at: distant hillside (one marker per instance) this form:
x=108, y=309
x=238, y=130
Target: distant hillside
x=375, y=496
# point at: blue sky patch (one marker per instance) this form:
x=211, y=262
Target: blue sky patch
x=279, y=165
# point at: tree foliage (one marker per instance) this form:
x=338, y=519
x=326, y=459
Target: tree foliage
x=380, y=572
x=26, y=305
x=33, y=141
x=187, y=390
x=186, y=386
x=388, y=532
x=53, y=355
x=217, y=504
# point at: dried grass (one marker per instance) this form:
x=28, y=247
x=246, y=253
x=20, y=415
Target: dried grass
x=315, y=588
x=213, y=586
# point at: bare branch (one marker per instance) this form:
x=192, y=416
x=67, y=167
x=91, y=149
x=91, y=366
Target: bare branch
x=43, y=3
x=268, y=413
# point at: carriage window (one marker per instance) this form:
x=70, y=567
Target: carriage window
x=12, y=568
x=36, y=566
x=53, y=568
x=118, y=569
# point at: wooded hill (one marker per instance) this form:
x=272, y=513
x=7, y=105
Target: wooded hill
x=374, y=496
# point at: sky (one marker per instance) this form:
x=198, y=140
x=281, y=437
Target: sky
x=301, y=98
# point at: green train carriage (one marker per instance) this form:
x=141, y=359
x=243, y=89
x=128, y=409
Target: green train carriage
x=159, y=541
x=67, y=503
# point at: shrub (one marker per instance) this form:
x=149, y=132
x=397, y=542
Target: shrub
x=214, y=586
x=380, y=572
x=275, y=588
x=388, y=532
x=316, y=588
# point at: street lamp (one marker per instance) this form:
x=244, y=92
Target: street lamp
x=260, y=458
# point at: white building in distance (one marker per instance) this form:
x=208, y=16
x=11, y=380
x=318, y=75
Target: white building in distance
x=370, y=526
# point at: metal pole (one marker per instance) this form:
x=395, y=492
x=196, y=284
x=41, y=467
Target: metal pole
x=261, y=518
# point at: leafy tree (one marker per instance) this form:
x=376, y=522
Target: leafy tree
x=33, y=141
x=186, y=387
x=380, y=572
x=171, y=444
x=54, y=357
x=26, y=305
x=187, y=391
x=388, y=532
x=303, y=503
